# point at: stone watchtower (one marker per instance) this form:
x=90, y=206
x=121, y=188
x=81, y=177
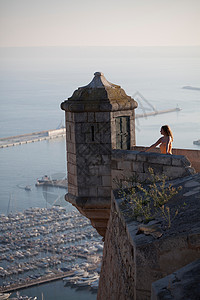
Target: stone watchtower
x=100, y=117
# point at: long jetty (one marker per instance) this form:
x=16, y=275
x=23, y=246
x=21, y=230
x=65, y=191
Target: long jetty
x=33, y=282
x=155, y=113
x=38, y=281
x=55, y=133
x=31, y=137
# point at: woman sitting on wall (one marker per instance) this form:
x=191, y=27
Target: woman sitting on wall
x=165, y=141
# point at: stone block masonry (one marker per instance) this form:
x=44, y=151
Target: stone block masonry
x=134, y=262
x=101, y=152
x=182, y=284
x=91, y=115
x=193, y=156
x=134, y=163
x=117, y=275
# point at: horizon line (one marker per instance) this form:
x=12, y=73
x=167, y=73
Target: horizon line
x=101, y=46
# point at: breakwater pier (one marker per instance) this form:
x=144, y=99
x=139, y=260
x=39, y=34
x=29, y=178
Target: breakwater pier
x=154, y=113
x=31, y=137
x=33, y=282
x=30, y=282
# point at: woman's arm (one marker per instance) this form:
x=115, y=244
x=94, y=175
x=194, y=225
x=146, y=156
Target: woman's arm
x=154, y=145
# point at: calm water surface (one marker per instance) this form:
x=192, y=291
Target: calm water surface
x=33, y=83
x=50, y=292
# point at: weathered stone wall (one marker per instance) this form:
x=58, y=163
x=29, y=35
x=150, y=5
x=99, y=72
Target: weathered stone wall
x=88, y=142
x=91, y=114
x=192, y=155
x=134, y=163
x=93, y=150
x=117, y=275
x=88, y=138
x=71, y=154
x=183, y=284
x=133, y=260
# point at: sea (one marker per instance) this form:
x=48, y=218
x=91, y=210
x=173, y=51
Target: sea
x=33, y=83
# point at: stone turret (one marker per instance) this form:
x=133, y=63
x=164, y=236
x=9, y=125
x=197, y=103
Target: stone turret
x=100, y=117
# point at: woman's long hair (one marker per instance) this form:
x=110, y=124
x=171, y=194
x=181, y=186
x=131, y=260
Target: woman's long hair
x=168, y=131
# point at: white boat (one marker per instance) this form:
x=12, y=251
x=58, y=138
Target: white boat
x=87, y=280
x=76, y=276
x=71, y=279
x=4, y=296
x=196, y=142
x=83, y=283
x=22, y=297
x=43, y=180
x=92, y=277
x=81, y=272
x=27, y=188
x=95, y=284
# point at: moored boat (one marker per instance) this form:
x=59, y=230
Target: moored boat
x=27, y=188
x=95, y=284
x=43, y=180
x=197, y=142
x=4, y=296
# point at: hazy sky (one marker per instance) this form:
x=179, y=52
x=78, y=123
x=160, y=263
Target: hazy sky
x=99, y=22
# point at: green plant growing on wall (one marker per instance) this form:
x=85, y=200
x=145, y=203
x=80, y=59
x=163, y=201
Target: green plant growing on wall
x=167, y=215
x=149, y=200
x=159, y=191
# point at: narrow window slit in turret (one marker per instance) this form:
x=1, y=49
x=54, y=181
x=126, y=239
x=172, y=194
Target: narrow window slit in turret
x=70, y=135
x=92, y=128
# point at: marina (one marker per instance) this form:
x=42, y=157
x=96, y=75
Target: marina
x=49, y=278
x=42, y=245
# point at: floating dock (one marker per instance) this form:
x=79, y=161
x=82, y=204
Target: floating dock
x=32, y=137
